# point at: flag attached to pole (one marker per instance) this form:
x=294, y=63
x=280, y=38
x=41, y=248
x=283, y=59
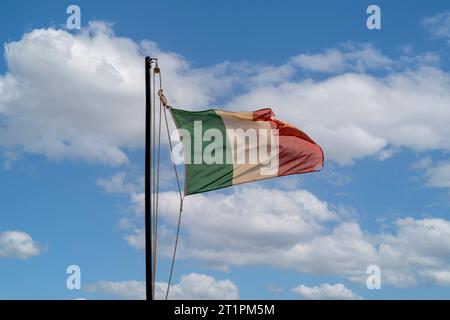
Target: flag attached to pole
x=223, y=148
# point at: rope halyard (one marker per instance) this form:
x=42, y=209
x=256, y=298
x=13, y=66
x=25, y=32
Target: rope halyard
x=162, y=97
x=163, y=103
x=181, y=205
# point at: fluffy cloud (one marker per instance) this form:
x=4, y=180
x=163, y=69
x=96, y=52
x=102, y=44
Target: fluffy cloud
x=18, y=244
x=359, y=57
x=296, y=230
x=132, y=224
x=439, y=25
x=326, y=291
x=53, y=98
x=196, y=286
x=354, y=115
x=438, y=277
x=191, y=287
x=293, y=229
x=116, y=184
x=130, y=290
x=435, y=173
x=250, y=222
x=439, y=176
x=79, y=96
x=136, y=238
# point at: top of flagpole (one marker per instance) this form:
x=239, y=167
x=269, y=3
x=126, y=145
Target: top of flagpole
x=149, y=60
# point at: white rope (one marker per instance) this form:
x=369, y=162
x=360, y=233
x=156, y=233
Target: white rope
x=155, y=178
x=181, y=202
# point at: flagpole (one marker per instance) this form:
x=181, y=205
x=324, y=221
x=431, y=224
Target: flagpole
x=149, y=281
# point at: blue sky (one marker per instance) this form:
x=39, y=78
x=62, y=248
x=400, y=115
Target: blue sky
x=71, y=153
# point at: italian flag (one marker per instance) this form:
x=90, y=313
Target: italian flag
x=223, y=148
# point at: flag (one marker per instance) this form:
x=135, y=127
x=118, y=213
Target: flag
x=222, y=148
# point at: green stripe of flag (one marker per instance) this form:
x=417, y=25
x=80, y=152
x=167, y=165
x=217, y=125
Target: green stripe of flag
x=201, y=177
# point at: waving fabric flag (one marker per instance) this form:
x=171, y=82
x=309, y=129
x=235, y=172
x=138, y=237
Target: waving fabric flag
x=223, y=148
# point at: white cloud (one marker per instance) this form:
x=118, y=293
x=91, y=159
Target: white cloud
x=58, y=84
x=193, y=286
x=356, y=57
x=361, y=142
x=331, y=61
x=80, y=96
x=9, y=158
x=136, y=238
x=250, y=219
x=386, y=154
x=115, y=184
x=295, y=230
x=439, y=277
x=292, y=229
x=132, y=223
x=439, y=25
x=18, y=244
x=439, y=176
x=275, y=289
x=196, y=286
x=353, y=115
x=326, y=291
x=422, y=163
x=132, y=290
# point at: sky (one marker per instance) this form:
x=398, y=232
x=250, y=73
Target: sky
x=72, y=159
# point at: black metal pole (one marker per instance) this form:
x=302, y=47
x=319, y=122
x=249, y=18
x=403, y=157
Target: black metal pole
x=148, y=223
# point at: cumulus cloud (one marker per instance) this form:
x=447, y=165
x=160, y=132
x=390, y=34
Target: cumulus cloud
x=251, y=222
x=18, y=244
x=438, y=176
x=115, y=184
x=132, y=223
x=275, y=289
x=438, y=277
x=355, y=57
x=295, y=230
x=423, y=163
x=130, y=290
x=439, y=25
x=326, y=291
x=80, y=96
x=196, y=286
x=354, y=115
x=136, y=238
x=193, y=286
